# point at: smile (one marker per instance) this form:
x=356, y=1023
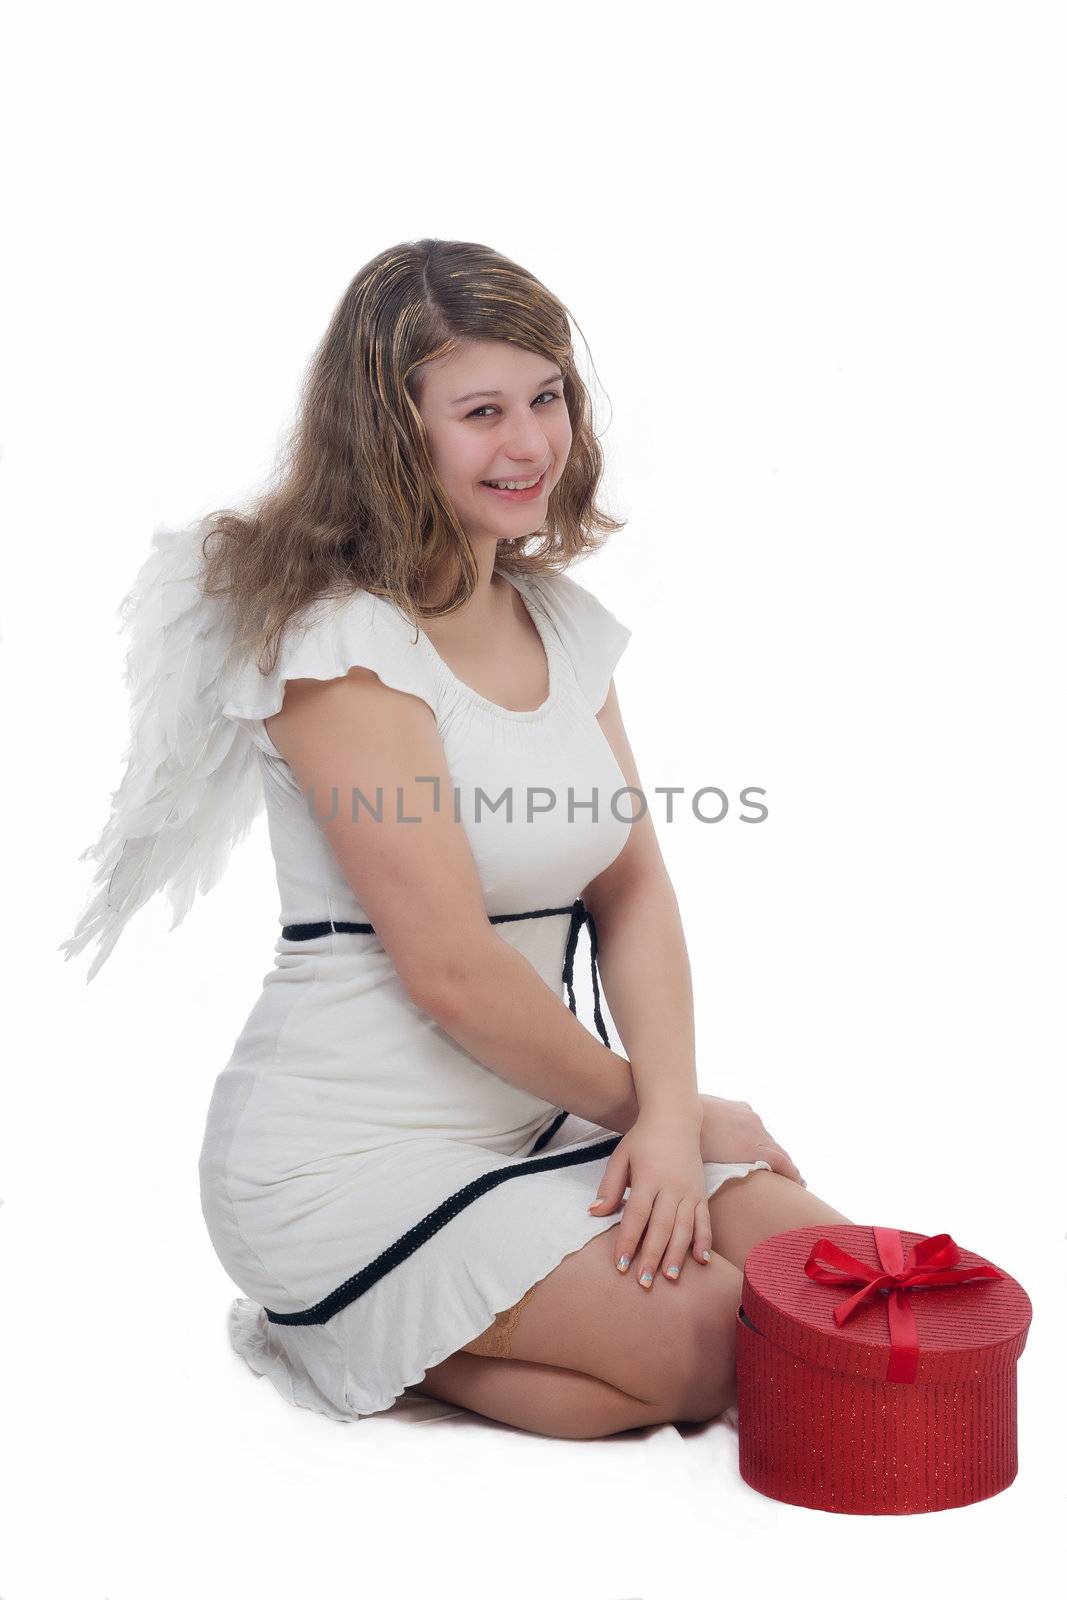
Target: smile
x=525, y=488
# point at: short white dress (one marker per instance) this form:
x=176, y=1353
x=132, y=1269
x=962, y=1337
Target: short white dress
x=374, y=1190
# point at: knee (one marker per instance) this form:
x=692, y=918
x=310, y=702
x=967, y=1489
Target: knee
x=704, y=1376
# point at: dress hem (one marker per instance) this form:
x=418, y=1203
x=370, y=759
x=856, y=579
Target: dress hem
x=252, y=1336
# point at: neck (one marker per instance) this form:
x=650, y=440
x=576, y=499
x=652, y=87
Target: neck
x=485, y=601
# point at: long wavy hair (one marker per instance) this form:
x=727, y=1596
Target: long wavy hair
x=356, y=502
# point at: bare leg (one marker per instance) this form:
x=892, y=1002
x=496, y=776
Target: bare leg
x=553, y=1401
x=649, y=1356
x=496, y=1340
x=747, y=1210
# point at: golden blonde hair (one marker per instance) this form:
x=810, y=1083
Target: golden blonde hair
x=356, y=502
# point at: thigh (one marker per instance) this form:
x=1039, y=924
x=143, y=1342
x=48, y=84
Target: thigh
x=745, y=1211
x=673, y=1342
x=496, y=1340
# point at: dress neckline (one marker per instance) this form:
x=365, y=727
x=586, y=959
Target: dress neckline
x=544, y=633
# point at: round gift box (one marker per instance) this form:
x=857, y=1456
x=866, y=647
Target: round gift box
x=821, y=1425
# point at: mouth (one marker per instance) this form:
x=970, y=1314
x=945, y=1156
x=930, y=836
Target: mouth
x=530, y=493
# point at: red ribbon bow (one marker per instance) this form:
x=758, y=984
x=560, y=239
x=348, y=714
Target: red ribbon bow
x=933, y=1260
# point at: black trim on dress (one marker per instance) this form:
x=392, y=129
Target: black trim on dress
x=409, y=1242
x=403, y=1247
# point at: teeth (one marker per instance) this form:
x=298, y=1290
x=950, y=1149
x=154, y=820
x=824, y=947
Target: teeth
x=513, y=483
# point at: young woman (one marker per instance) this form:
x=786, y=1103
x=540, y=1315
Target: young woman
x=415, y=1160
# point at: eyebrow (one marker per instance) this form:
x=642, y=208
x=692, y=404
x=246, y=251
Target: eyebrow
x=478, y=394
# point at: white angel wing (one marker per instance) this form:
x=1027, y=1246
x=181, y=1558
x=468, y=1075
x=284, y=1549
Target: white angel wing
x=192, y=786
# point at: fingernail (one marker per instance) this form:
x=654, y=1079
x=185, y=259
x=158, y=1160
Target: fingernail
x=622, y=1263
x=646, y=1277
x=707, y=1255
x=672, y=1272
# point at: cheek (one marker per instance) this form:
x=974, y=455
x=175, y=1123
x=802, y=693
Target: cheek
x=559, y=436
x=460, y=464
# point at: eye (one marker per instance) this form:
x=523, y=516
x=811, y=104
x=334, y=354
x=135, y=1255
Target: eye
x=549, y=394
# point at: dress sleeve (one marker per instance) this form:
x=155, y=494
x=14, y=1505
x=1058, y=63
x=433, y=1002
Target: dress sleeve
x=593, y=636
x=334, y=634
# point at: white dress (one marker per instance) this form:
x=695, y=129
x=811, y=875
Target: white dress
x=374, y=1190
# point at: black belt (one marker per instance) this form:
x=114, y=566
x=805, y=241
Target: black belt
x=579, y=913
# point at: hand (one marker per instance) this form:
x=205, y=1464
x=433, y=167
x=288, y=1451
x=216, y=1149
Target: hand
x=668, y=1206
x=731, y=1131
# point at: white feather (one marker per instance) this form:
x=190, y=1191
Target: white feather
x=192, y=786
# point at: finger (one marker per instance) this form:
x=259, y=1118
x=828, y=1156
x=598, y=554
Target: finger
x=780, y=1160
x=635, y=1215
x=612, y=1184
x=781, y=1163
x=702, y=1233
x=793, y=1170
x=661, y=1225
x=674, y=1257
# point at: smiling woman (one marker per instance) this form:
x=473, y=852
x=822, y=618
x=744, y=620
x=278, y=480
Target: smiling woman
x=446, y=368
x=510, y=452
x=413, y=1122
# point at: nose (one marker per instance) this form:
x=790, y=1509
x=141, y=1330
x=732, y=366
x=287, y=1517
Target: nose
x=527, y=443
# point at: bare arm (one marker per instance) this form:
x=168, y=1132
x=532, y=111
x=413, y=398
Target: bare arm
x=642, y=954
x=647, y=980
x=419, y=885
x=506, y=1015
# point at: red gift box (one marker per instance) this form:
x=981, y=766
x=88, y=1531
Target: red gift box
x=876, y=1371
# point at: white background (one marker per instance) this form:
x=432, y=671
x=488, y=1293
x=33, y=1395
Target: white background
x=817, y=252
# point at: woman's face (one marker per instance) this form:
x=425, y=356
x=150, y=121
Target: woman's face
x=493, y=411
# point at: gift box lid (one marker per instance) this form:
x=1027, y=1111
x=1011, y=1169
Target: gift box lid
x=962, y=1330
